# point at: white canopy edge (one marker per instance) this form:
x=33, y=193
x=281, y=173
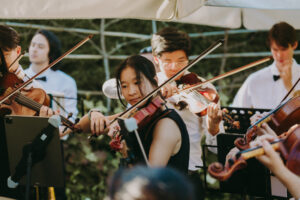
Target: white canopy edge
x=70, y=9
x=253, y=19
x=253, y=14
x=257, y=4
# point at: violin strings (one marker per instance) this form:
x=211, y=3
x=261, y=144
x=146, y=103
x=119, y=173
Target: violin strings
x=20, y=98
x=225, y=116
x=36, y=106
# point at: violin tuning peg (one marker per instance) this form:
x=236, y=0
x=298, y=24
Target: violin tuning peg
x=65, y=129
x=70, y=115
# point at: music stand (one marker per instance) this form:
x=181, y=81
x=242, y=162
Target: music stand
x=4, y=167
x=21, y=130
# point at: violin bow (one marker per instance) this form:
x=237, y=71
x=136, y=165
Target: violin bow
x=289, y=92
x=276, y=108
x=192, y=63
x=234, y=71
x=21, y=86
x=17, y=59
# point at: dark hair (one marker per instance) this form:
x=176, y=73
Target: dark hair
x=282, y=34
x=140, y=65
x=170, y=39
x=150, y=184
x=54, y=46
x=9, y=40
x=3, y=66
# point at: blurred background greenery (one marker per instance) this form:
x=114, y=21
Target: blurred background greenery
x=90, y=163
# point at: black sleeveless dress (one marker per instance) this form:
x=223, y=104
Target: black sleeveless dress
x=178, y=161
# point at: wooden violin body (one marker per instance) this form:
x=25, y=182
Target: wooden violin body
x=279, y=120
x=22, y=102
x=25, y=102
x=289, y=148
x=198, y=99
x=142, y=117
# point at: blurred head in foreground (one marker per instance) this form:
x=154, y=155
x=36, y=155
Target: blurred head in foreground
x=142, y=183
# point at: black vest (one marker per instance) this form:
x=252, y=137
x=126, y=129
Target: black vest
x=180, y=160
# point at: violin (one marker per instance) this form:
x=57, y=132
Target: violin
x=198, y=99
x=21, y=103
x=197, y=96
x=279, y=119
x=288, y=146
x=24, y=84
x=139, y=119
x=26, y=102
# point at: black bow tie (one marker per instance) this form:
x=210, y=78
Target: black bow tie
x=276, y=77
x=43, y=78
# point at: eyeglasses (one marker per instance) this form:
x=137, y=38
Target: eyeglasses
x=178, y=64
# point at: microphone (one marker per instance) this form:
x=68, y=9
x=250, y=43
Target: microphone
x=37, y=148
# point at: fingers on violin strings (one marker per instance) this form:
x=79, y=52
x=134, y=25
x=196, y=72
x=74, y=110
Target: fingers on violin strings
x=43, y=111
x=255, y=143
x=267, y=130
x=213, y=109
x=97, y=126
x=93, y=126
x=102, y=123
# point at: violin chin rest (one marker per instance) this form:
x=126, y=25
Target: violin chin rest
x=131, y=124
x=5, y=111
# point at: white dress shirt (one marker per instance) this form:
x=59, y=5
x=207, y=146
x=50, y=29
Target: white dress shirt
x=261, y=91
x=196, y=127
x=61, y=86
x=23, y=76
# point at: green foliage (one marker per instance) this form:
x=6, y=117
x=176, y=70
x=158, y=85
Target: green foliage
x=88, y=166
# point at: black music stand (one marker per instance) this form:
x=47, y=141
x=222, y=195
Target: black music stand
x=4, y=167
x=21, y=130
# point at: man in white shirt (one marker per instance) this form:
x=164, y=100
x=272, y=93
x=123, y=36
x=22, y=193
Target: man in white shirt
x=44, y=49
x=267, y=87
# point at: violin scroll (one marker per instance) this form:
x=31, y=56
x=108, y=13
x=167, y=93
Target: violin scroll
x=218, y=171
x=243, y=143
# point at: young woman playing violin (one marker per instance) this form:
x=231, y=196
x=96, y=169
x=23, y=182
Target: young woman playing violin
x=164, y=138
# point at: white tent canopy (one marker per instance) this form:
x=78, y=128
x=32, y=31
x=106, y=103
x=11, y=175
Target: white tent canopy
x=254, y=19
x=253, y=14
